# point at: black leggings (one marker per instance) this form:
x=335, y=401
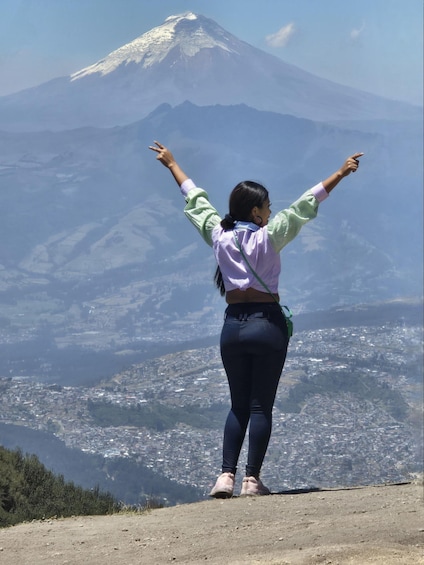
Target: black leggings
x=254, y=342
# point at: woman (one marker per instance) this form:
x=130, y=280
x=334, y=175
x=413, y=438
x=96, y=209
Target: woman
x=255, y=334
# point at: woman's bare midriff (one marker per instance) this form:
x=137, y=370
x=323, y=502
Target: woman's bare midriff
x=249, y=295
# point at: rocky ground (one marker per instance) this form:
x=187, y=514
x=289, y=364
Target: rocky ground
x=381, y=525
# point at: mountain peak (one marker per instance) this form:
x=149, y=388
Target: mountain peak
x=184, y=16
x=189, y=31
x=188, y=57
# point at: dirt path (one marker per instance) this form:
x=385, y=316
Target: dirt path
x=381, y=525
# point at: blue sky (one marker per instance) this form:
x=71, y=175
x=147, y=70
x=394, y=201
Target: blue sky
x=374, y=45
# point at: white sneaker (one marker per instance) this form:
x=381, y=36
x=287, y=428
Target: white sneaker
x=224, y=486
x=253, y=487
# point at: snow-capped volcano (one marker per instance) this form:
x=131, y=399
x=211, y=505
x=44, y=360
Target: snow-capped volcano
x=189, y=32
x=188, y=57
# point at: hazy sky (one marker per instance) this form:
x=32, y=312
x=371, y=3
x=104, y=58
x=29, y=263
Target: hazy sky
x=374, y=45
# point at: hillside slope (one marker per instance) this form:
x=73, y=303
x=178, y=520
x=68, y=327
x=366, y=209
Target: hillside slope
x=188, y=57
x=378, y=525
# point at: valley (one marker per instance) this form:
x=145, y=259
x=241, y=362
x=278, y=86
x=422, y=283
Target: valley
x=348, y=411
x=109, y=322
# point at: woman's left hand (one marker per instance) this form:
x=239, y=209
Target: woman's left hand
x=350, y=165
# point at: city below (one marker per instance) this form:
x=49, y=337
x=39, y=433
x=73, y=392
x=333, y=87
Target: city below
x=348, y=411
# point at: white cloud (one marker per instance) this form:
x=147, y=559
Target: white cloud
x=356, y=32
x=282, y=36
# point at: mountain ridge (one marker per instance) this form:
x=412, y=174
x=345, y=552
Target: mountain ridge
x=153, y=46
x=93, y=231
x=199, y=57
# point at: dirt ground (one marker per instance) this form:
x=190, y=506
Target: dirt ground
x=377, y=524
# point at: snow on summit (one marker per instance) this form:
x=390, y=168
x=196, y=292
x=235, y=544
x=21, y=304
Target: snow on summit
x=153, y=46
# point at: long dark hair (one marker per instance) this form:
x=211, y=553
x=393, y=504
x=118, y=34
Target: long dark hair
x=245, y=196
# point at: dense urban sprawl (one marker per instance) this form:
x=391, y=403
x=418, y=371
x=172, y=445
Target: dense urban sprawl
x=336, y=438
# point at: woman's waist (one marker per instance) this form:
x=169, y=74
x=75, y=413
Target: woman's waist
x=250, y=295
x=247, y=310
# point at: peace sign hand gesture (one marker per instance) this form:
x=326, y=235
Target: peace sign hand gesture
x=167, y=159
x=164, y=155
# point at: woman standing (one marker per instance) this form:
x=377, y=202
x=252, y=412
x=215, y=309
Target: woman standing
x=255, y=333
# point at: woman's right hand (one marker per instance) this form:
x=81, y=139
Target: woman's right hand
x=167, y=159
x=164, y=155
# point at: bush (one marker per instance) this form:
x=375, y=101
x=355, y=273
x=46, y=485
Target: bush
x=28, y=491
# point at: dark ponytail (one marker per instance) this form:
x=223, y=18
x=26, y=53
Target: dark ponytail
x=219, y=282
x=228, y=222
x=245, y=196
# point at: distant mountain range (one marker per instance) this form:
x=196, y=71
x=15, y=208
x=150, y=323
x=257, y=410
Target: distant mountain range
x=99, y=268
x=188, y=57
x=94, y=247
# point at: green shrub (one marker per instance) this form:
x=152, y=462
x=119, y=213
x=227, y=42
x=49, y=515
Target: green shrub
x=28, y=491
